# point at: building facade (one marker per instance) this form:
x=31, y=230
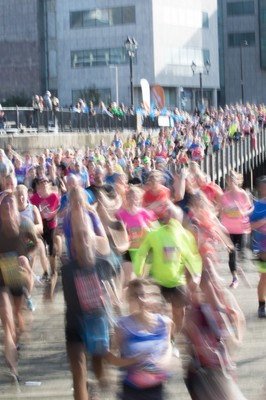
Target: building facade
x=22, y=49
x=170, y=35
x=242, y=44
x=75, y=46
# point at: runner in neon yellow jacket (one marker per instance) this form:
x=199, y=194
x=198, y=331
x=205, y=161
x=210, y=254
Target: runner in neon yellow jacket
x=173, y=250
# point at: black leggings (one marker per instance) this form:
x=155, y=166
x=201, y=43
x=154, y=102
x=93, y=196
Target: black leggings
x=132, y=393
x=239, y=241
x=48, y=237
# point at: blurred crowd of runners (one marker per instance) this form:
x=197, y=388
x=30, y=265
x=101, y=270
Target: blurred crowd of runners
x=134, y=230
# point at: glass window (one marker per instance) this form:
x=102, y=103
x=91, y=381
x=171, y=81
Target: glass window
x=76, y=19
x=170, y=97
x=128, y=15
x=90, y=58
x=237, y=39
x=262, y=11
x=248, y=7
x=117, y=56
x=77, y=59
x=89, y=19
x=205, y=20
x=240, y=8
x=102, y=57
x=102, y=17
x=105, y=95
x=206, y=55
x=262, y=27
x=116, y=16
x=75, y=96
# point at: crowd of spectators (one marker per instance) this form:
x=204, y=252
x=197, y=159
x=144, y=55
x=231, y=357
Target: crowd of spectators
x=193, y=133
x=45, y=102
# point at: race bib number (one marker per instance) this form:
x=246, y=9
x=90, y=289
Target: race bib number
x=169, y=253
x=233, y=212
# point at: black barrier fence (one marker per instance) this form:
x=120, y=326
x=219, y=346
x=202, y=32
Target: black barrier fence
x=67, y=121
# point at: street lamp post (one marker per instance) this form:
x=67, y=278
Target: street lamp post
x=243, y=44
x=207, y=66
x=116, y=83
x=131, y=46
x=201, y=90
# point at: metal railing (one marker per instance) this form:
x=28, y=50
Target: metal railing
x=27, y=118
x=240, y=156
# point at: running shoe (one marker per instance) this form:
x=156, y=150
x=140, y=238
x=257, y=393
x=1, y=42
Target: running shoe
x=261, y=312
x=234, y=283
x=45, y=278
x=37, y=281
x=15, y=378
x=30, y=305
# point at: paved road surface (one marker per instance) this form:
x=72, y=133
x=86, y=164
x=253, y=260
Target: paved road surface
x=43, y=357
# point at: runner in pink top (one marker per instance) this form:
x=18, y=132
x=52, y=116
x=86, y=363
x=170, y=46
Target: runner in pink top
x=47, y=202
x=137, y=221
x=235, y=206
x=136, y=224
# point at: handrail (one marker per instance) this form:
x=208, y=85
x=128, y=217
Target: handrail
x=66, y=120
x=239, y=156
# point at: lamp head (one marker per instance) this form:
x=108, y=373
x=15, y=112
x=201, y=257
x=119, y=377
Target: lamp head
x=193, y=67
x=131, y=44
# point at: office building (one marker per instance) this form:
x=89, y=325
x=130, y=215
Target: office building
x=79, y=45
x=242, y=44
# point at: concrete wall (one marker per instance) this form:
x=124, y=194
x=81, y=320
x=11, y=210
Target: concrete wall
x=37, y=143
